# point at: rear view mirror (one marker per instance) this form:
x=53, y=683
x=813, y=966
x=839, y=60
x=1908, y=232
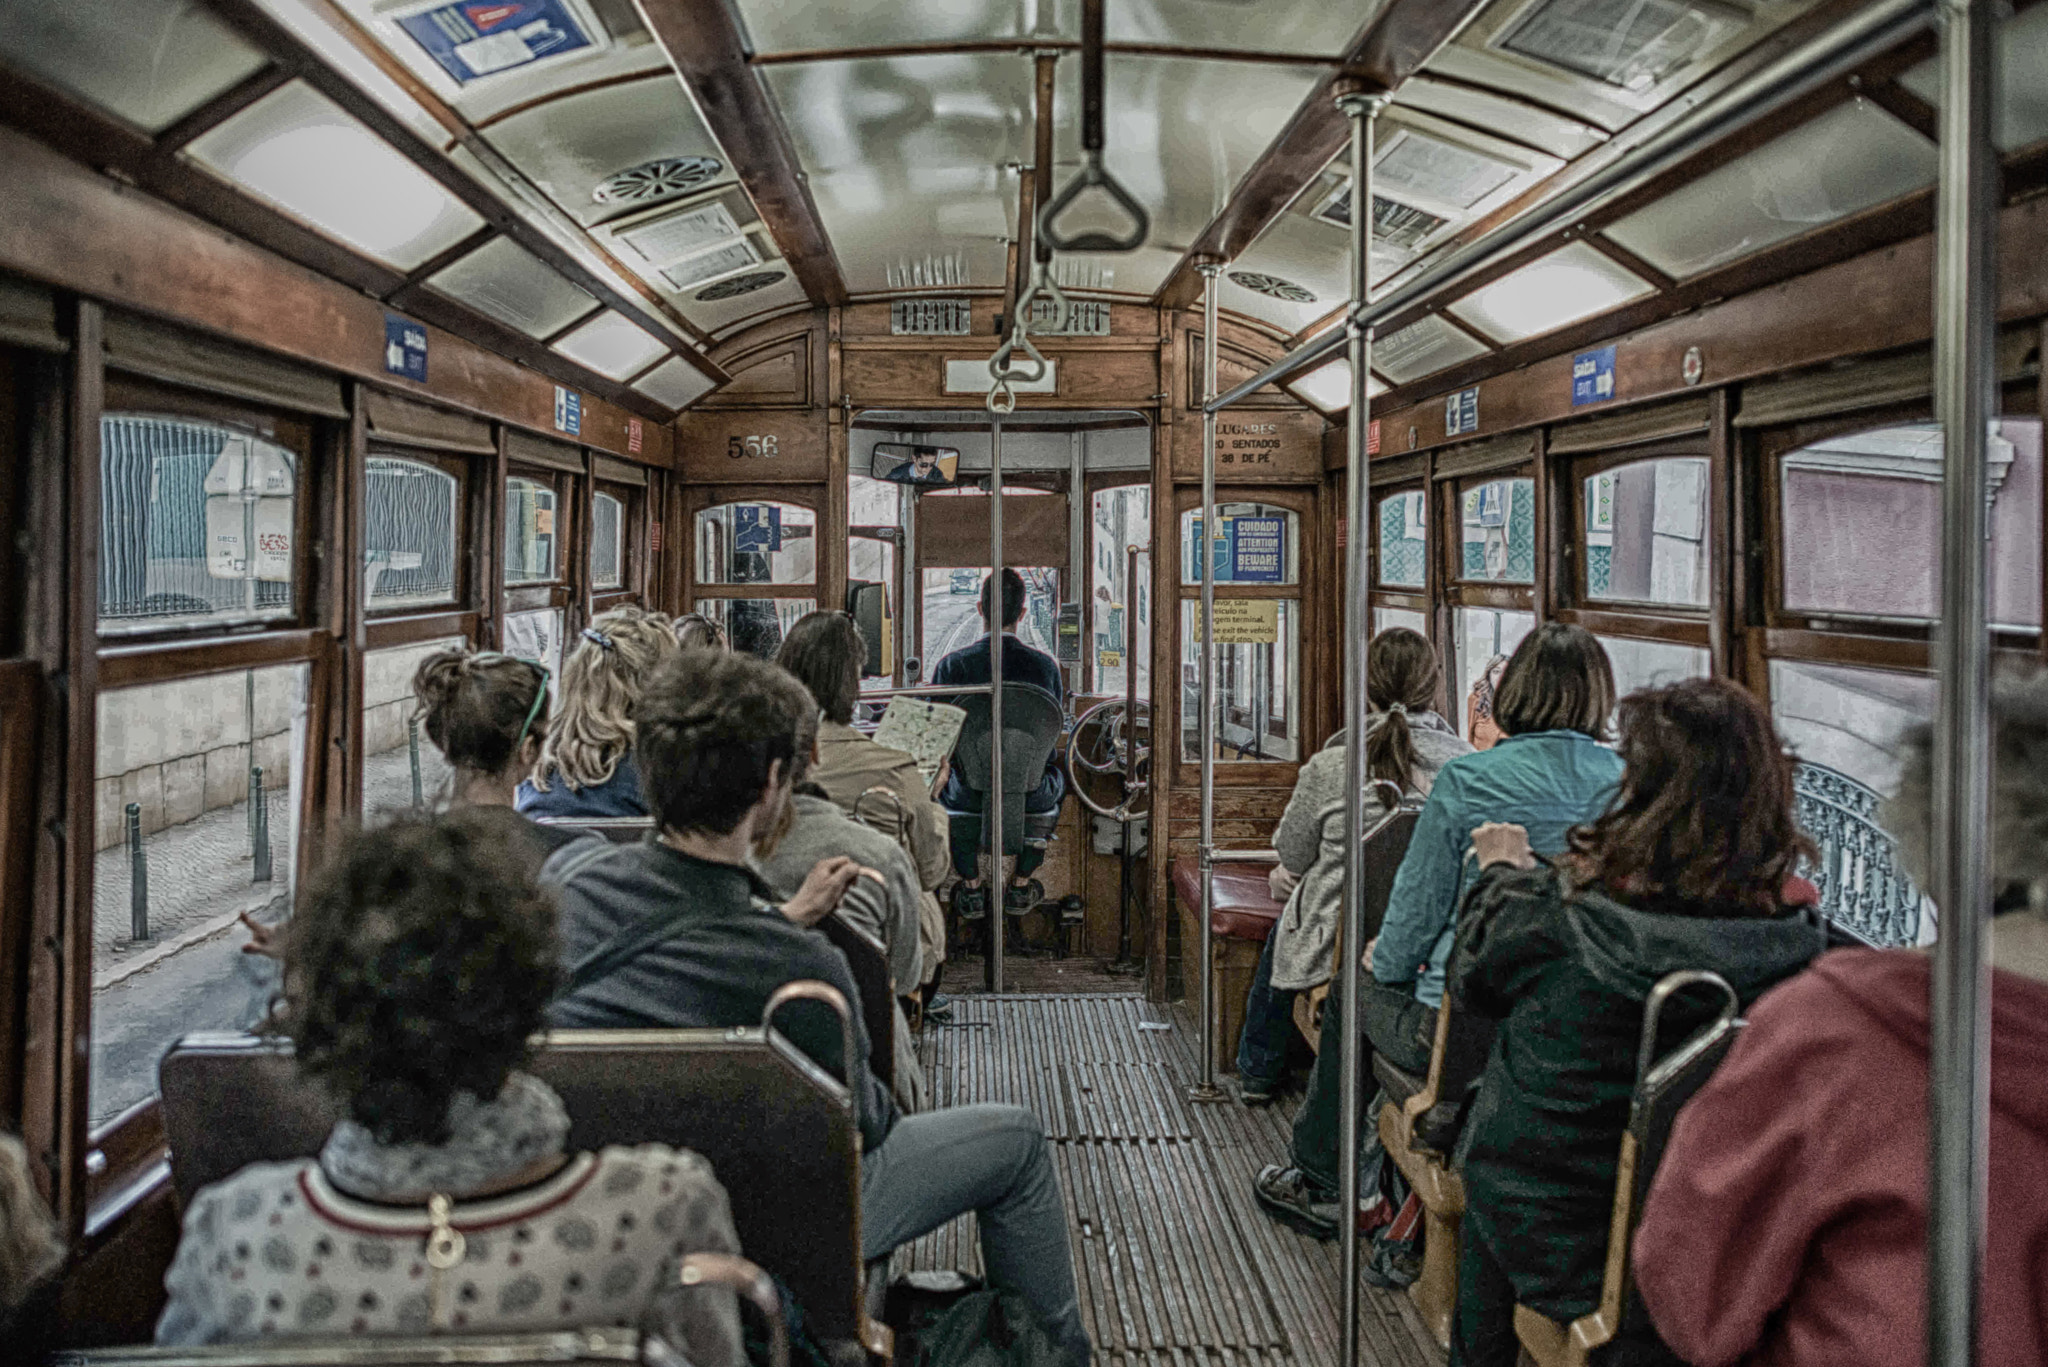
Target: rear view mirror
x=926, y=467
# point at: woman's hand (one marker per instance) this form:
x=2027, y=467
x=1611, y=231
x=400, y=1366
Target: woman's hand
x=1282, y=882
x=263, y=940
x=823, y=888
x=1503, y=842
x=1366, y=961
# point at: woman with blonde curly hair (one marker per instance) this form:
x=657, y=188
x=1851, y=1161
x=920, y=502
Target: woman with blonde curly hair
x=586, y=764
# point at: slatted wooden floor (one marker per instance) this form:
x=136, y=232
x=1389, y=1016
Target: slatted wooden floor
x=1178, y=1265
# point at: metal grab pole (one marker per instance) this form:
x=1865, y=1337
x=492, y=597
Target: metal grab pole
x=992, y=813
x=1205, y=1087
x=1364, y=112
x=1130, y=647
x=1966, y=400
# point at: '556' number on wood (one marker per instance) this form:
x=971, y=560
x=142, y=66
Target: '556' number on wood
x=738, y=447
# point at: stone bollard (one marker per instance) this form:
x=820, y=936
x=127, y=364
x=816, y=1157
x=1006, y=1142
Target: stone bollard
x=260, y=826
x=138, y=878
x=412, y=728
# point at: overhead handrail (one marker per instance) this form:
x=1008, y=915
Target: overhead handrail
x=1092, y=173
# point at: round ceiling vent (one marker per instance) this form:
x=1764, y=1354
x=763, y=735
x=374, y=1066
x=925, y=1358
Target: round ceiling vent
x=652, y=180
x=1273, y=286
x=738, y=285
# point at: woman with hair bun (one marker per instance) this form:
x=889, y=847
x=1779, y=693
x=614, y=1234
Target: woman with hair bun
x=488, y=715
x=695, y=631
x=586, y=765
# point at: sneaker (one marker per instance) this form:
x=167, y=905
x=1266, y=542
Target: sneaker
x=939, y=1008
x=1288, y=1194
x=969, y=903
x=1020, y=899
x=1257, y=1093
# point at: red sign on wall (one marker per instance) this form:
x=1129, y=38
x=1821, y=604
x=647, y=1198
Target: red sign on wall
x=1372, y=438
x=634, y=433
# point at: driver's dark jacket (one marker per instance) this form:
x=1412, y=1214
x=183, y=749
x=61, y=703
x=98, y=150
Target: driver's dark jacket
x=731, y=951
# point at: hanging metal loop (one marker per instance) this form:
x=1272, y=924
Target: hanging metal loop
x=1092, y=172
x=1044, y=286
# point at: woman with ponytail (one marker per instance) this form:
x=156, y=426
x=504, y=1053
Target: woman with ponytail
x=1406, y=743
x=586, y=766
x=488, y=716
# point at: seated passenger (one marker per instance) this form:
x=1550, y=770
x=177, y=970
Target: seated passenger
x=1024, y=665
x=1407, y=743
x=825, y=650
x=417, y=970
x=1549, y=774
x=1787, y=1224
x=488, y=715
x=1686, y=870
x=694, y=631
x=586, y=766
x=716, y=738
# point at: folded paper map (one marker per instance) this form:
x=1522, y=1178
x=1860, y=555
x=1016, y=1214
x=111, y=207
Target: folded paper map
x=926, y=729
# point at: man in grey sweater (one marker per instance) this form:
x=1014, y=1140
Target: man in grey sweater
x=681, y=931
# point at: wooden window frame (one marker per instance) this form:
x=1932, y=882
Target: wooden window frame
x=559, y=591
x=463, y=602
x=1670, y=623
x=633, y=519
x=1459, y=591
x=812, y=498
x=1094, y=482
x=1412, y=597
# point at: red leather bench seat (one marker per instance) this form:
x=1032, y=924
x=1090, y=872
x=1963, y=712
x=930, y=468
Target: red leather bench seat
x=1243, y=908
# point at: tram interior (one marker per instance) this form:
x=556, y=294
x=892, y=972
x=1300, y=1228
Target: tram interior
x=336, y=335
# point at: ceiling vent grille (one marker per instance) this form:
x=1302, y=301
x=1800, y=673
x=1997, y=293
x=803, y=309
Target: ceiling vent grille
x=931, y=318
x=738, y=285
x=1394, y=223
x=1272, y=286
x=1632, y=44
x=930, y=272
x=653, y=180
x=670, y=237
x=1085, y=318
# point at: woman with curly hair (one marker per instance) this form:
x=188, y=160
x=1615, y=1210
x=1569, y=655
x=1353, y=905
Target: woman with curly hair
x=417, y=970
x=586, y=765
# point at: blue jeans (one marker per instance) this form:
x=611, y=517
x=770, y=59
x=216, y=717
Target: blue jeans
x=964, y=806
x=992, y=1160
x=1268, y=1028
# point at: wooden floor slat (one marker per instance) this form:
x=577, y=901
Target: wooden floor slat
x=1177, y=1264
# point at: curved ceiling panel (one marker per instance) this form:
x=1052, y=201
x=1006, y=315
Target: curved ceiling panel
x=1311, y=28
x=502, y=280
x=1516, y=120
x=1312, y=255
x=909, y=160
x=149, y=61
x=571, y=146
x=778, y=26
x=720, y=305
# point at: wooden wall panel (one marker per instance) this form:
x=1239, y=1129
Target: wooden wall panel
x=1089, y=372
x=1253, y=446
x=752, y=446
x=1238, y=358
x=777, y=372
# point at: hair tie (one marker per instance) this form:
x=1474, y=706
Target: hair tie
x=603, y=641
x=1397, y=709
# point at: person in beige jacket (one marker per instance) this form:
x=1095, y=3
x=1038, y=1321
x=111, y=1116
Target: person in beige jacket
x=825, y=650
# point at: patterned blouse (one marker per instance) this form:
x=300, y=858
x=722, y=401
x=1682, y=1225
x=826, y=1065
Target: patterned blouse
x=278, y=1250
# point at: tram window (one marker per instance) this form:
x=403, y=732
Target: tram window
x=1119, y=605
x=872, y=560
x=756, y=626
x=180, y=755
x=1479, y=636
x=1499, y=521
x=531, y=534
x=1258, y=717
x=607, y=549
x=1255, y=543
x=181, y=503
x=1652, y=664
x=409, y=533
x=757, y=543
x=1403, y=540
x=951, y=619
x=874, y=502
x=1385, y=619
x=537, y=635
x=1862, y=519
x=393, y=748
x=1644, y=532
x=1850, y=720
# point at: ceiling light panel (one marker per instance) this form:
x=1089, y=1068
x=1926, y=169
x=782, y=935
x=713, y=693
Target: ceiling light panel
x=1431, y=170
x=502, y=280
x=1571, y=283
x=1629, y=44
x=572, y=147
x=149, y=61
x=1851, y=158
x=907, y=158
x=1328, y=387
x=2022, y=116
x=670, y=236
x=301, y=152
x=674, y=382
x=611, y=346
x=740, y=254
x=1424, y=347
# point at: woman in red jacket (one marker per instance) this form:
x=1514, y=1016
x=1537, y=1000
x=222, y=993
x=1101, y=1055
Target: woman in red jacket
x=1787, y=1222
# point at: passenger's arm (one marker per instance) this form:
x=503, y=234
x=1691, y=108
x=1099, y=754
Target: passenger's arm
x=823, y=889
x=701, y=1321
x=1504, y=938
x=929, y=830
x=1421, y=905
x=1298, y=839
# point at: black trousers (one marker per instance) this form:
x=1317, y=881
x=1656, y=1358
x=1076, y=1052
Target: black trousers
x=1483, y=1329
x=1394, y=1024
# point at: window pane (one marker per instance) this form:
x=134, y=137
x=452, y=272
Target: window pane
x=1846, y=726
x=1863, y=523
x=1500, y=531
x=1403, y=541
x=409, y=533
x=1256, y=543
x=402, y=769
x=1385, y=618
x=874, y=502
x=607, y=523
x=1257, y=689
x=872, y=560
x=537, y=635
x=1120, y=607
x=1651, y=664
x=1480, y=636
x=181, y=505
x=951, y=619
x=530, y=536
x=179, y=755
x=756, y=626
x=757, y=543
x=1646, y=532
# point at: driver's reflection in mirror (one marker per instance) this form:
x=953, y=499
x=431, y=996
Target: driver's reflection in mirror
x=932, y=466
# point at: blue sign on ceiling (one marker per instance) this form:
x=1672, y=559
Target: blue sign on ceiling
x=568, y=411
x=405, y=348
x=1593, y=377
x=476, y=38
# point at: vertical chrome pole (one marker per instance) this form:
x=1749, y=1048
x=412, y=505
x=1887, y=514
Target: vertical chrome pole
x=992, y=809
x=1966, y=400
x=1363, y=111
x=1205, y=1087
